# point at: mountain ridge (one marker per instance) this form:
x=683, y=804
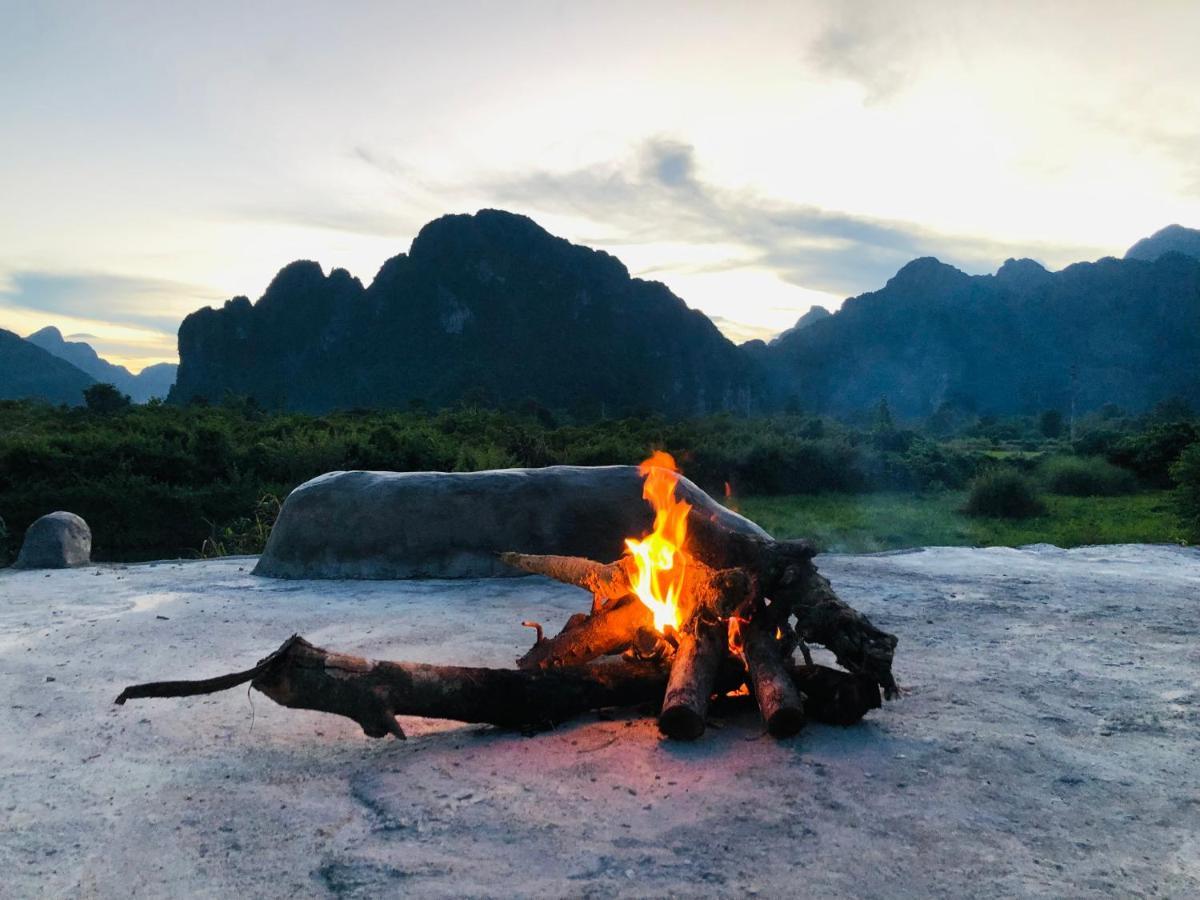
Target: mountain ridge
x=29, y=372
x=1019, y=341
x=492, y=308
x=1172, y=239
x=153, y=381
x=488, y=305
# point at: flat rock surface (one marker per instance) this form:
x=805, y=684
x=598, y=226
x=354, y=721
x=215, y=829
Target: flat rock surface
x=1048, y=746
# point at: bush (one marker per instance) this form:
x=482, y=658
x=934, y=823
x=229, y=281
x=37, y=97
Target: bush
x=244, y=536
x=1186, y=474
x=1005, y=494
x=105, y=399
x=1074, y=476
x=933, y=466
x=1152, y=453
x=799, y=467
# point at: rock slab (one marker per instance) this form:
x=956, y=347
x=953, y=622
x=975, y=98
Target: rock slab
x=452, y=525
x=58, y=540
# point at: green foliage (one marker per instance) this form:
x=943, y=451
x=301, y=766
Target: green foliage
x=105, y=399
x=1051, y=424
x=1092, y=476
x=1004, y=493
x=246, y=535
x=162, y=480
x=801, y=466
x=871, y=523
x=1152, y=452
x=1186, y=474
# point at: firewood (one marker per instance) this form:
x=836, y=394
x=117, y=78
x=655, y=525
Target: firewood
x=780, y=570
x=708, y=592
x=823, y=618
x=607, y=581
x=774, y=691
x=301, y=676
x=609, y=630
x=693, y=676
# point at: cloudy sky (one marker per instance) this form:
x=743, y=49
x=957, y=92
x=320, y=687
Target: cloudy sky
x=757, y=157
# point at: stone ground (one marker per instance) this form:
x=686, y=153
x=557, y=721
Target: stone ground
x=1048, y=746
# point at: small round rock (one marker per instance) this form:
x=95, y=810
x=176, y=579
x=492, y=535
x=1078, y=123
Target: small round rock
x=58, y=540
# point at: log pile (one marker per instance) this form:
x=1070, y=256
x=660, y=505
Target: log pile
x=748, y=618
x=749, y=604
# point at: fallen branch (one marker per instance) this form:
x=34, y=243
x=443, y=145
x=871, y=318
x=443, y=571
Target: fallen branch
x=372, y=693
x=823, y=618
x=778, y=700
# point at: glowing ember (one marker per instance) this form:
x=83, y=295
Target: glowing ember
x=659, y=558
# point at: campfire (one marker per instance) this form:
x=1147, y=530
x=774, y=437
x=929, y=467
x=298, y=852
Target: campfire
x=663, y=602
x=691, y=611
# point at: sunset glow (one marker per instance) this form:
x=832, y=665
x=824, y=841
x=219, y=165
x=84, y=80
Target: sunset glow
x=757, y=160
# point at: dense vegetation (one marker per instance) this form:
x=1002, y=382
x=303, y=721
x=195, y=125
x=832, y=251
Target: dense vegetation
x=162, y=480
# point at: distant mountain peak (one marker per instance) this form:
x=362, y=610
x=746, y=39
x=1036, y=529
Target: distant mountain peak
x=815, y=314
x=27, y=370
x=1172, y=239
x=154, y=381
x=1022, y=274
x=928, y=273
x=49, y=333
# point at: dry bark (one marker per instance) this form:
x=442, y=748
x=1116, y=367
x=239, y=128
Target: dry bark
x=610, y=630
x=823, y=618
x=774, y=691
x=372, y=693
x=606, y=581
x=692, y=682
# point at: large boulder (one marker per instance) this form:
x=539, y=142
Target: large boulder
x=452, y=525
x=58, y=540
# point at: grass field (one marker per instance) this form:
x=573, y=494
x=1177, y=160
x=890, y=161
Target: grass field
x=866, y=523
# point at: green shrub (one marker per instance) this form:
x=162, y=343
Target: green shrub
x=1152, y=453
x=1003, y=493
x=1075, y=476
x=244, y=536
x=934, y=466
x=1186, y=474
x=799, y=467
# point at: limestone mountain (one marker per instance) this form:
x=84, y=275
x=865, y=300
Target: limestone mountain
x=1172, y=239
x=27, y=371
x=153, y=381
x=815, y=314
x=487, y=306
x=1022, y=340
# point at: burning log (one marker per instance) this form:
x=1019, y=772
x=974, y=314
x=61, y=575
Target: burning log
x=690, y=573
x=606, y=582
x=778, y=700
x=301, y=676
x=693, y=678
x=610, y=630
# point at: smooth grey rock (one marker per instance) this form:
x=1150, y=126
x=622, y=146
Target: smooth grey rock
x=452, y=525
x=58, y=540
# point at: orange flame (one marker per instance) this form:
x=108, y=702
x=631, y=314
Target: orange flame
x=659, y=558
x=737, y=643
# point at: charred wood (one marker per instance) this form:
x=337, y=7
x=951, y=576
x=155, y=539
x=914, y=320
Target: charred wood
x=301, y=676
x=778, y=700
x=693, y=677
